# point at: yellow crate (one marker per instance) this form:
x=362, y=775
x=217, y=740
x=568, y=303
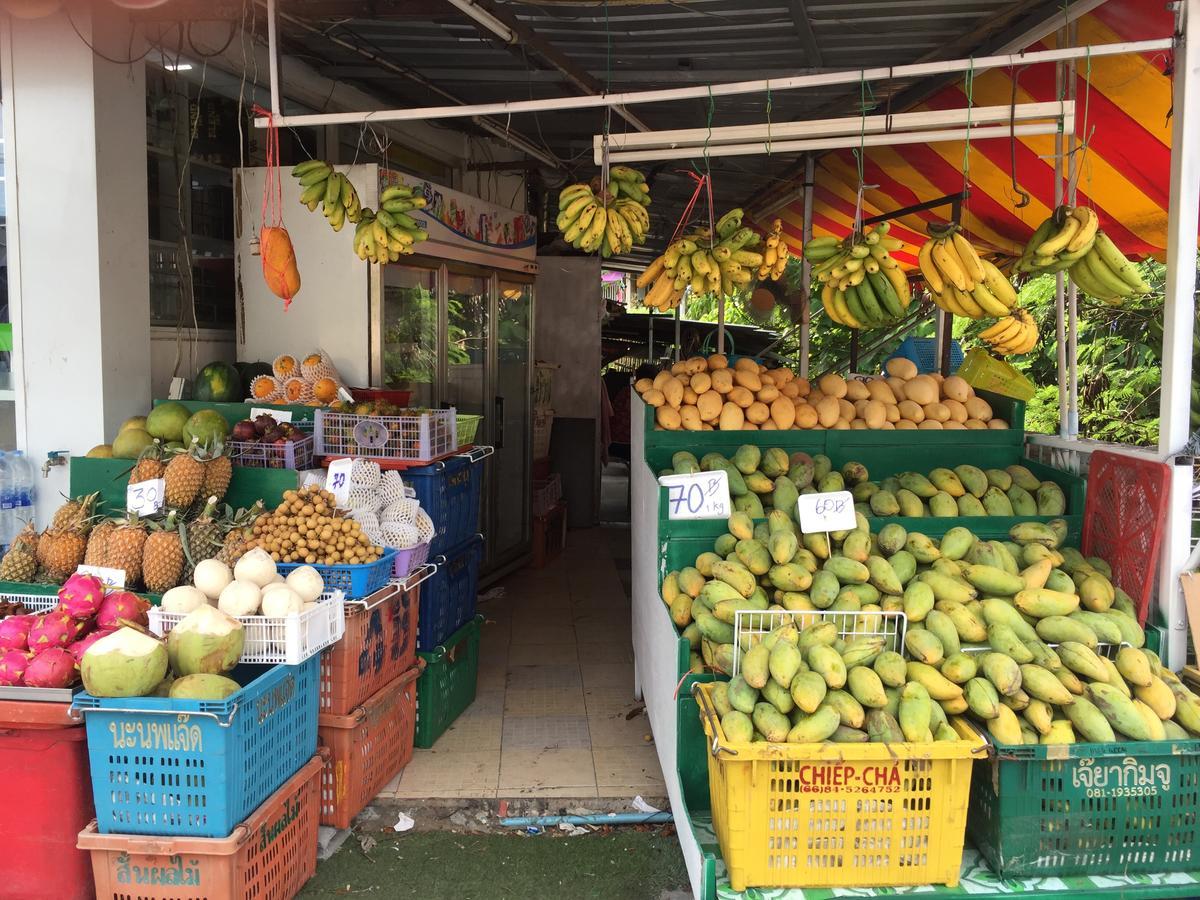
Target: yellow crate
x=983, y=371
x=839, y=815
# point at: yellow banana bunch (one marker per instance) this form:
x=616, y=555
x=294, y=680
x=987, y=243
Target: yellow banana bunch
x=706, y=264
x=1105, y=274
x=610, y=219
x=863, y=287
x=1071, y=239
x=1012, y=335
x=959, y=280
x=385, y=235
x=775, y=253
x=321, y=186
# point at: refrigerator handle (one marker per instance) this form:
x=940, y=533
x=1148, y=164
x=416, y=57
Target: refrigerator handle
x=499, y=423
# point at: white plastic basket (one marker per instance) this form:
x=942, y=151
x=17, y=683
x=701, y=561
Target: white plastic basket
x=270, y=640
x=751, y=626
x=35, y=603
x=419, y=436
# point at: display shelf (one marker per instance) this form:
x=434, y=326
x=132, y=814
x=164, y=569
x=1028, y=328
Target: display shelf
x=236, y=412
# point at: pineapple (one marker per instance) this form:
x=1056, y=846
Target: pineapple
x=27, y=538
x=217, y=473
x=97, y=543
x=19, y=564
x=184, y=476
x=149, y=465
x=123, y=549
x=202, y=539
x=62, y=552
x=162, y=557
x=75, y=514
x=240, y=538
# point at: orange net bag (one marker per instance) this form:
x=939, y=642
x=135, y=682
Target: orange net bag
x=280, y=270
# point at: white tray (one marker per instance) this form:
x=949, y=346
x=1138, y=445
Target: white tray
x=289, y=640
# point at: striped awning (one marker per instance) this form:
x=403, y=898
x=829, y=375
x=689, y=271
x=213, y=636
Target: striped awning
x=1122, y=102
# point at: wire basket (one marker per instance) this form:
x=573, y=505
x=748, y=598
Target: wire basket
x=293, y=454
x=468, y=425
x=411, y=559
x=417, y=436
x=751, y=626
x=287, y=640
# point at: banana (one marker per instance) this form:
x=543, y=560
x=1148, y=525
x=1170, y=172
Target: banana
x=1105, y=278
x=333, y=189
x=1000, y=330
x=988, y=301
x=854, y=306
x=933, y=278
x=1089, y=222
x=839, y=301
x=1055, y=245
x=576, y=205
x=318, y=174
x=314, y=193
x=899, y=283
x=966, y=301
x=338, y=217
x=968, y=256
x=729, y=223
x=575, y=230
x=308, y=165
x=1086, y=282
x=1116, y=262
x=885, y=294
x=998, y=285
x=348, y=192
x=827, y=302
x=948, y=265
x=624, y=173
x=870, y=303
x=1040, y=236
x=399, y=206
x=399, y=192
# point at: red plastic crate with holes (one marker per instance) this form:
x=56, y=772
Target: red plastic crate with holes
x=368, y=749
x=1123, y=520
x=44, y=768
x=269, y=856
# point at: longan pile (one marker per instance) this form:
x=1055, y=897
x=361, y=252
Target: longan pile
x=307, y=528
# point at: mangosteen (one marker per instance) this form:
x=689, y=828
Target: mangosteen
x=263, y=423
x=272, y=435
x=244, y=431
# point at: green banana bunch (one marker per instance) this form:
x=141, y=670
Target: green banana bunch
x=332, y=191
x=385, y=235
x=1105, y=274
x=862, y=286
x=1062, y=240
x=610, y=221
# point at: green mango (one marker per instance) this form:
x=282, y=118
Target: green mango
x=956, y=542
x=747, y=458
x=973, y=479
x=996, y=502
x=1022, y=501
x=942, y=505
x=998, y=478
x=969, y=505
x=884, y=503
x=910, y=504
x=774, y=463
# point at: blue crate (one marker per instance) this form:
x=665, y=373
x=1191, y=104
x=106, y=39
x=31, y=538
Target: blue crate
x=449, y=493
x=923, y=352
x=198, y=768
x=449, y=596
x=355, y=582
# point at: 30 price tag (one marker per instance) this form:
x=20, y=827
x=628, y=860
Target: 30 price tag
x=337, y=480
x=279, y=415
x=145, y=497
x=112, y=579
x=832, y=511
x=698, y=495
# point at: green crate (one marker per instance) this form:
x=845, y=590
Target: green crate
x=236, y=412
x=447, y=686
x=1091, y=809
x=109, y=478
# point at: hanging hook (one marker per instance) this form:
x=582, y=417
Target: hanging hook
x=1012, y=140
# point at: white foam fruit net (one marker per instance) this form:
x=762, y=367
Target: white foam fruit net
x=391, y=488
x=365, y=474
x=362, y=498
x=424, y=526
x=400, y=535
x=369, y=521
x=404, y=510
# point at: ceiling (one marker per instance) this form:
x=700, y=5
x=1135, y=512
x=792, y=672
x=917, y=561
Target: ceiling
x=428, y=52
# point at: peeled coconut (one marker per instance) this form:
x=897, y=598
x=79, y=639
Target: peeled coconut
x=240, y=598
x=307, y=582
x=203, y=687
x=127, y=663
x=212, y=576
x=207, y=641
x=183, y=599
x=274, y=586
x=255, y=566
x=281, y=602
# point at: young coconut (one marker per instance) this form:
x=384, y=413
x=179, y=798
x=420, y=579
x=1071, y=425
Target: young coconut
x=240, y=598
x=183, y=599
x=127, y=663
x=207, y=641
x=212, y=576
x=203, y=687
x=307, y=582
x=282, y=601
x=256, y=566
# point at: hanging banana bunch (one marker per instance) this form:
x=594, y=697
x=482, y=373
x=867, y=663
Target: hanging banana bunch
x=959, y=280
x=720, y=265
x=775, y=253
x=862, y=286
x=611, y=218
x=320, y=184
x=1071, y=240
x=1012, y=335
x=390, y=233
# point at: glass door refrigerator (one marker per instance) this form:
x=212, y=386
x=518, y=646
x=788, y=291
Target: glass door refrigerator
x=452, y=324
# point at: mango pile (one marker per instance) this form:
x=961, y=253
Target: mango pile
x=1016, y=633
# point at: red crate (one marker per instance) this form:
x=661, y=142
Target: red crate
x=268, y=857
x=1123, y=520
x=368, y=749
x=380, y=644
x=44, y=768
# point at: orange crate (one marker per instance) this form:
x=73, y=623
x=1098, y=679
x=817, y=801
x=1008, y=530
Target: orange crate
x=380, y=644
x=269, y=856
x=368, y=749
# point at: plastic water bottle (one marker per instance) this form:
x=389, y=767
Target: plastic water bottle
x=25, y=488
x=7, y=490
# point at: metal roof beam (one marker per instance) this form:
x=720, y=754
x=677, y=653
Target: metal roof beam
x=808, y=37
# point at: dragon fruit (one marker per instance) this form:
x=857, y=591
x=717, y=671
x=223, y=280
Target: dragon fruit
x=14, y=632
x=122, y=605
x=55, y=629
x=80, y=646
x=12, y=667
x=52, y=668
x=81, y=596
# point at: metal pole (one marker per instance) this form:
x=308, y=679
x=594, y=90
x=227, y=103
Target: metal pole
x=676, y=334
x=721, y=322
x=810, y=168
x=1072, y=293
x=273, y=53
x=1059, y=279
x=1179, y=324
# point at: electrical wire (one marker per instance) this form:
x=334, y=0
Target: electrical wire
x=105, y=57
x=233, y=30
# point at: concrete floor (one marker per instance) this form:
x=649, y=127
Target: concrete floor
x=555, y=714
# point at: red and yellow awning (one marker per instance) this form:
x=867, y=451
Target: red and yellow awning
x=1122, y=102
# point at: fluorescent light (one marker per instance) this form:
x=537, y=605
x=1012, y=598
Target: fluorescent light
x=177, y=67
x=486, y=19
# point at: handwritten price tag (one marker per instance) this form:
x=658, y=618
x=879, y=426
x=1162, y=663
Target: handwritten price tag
x=279, y=415
x=832, y=511
x=699, y=495
x=145, y=497
x=337, y=481
x=112, y=579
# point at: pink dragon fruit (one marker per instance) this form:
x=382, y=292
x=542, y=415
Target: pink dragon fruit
x=122, y=605
x=12, y=667
x=80, y=646
x=52, y=668
x=81, y=596
x=55, y=629
x=14, y=632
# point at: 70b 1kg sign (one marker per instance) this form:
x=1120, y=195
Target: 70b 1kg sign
x=697, y=495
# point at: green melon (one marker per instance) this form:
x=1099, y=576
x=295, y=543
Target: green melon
x=208, y=425
x=130, y=443
x=218, y=382
x=166, y=421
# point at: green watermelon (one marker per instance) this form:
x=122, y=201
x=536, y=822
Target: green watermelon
x=251, y=370
x=218, y=382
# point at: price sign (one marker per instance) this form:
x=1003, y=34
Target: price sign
x=698, y=495
x=145, y=497
x=279, y=415
x=112, y=579
x=337, y=481
x=832, y=511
